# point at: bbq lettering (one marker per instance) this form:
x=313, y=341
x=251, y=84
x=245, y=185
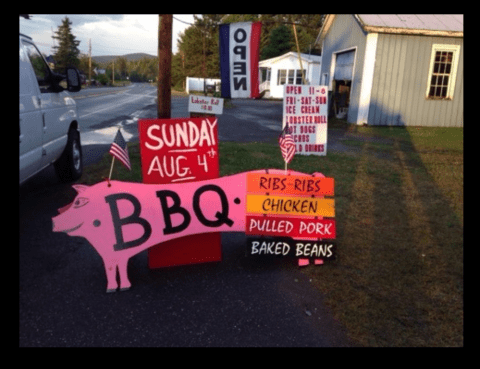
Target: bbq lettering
x=165, y=197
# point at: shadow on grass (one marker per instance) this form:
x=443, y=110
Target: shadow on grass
x=398, y=280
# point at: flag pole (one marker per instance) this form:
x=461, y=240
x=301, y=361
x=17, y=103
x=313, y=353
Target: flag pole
x=111, y=168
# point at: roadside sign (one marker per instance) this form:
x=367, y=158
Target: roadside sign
x=294, y=210
x=181, y=150
x=294, y=227
x=305, y=110
x=289, y=185
x=289, y=205
x=122, y=219
x=293, y=248
x=205, y=104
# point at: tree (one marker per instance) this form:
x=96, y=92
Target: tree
x=121, y=66
x=67, y=52
x=280, y=43
x=198, y=47
x=102, y=79
x=307, y=26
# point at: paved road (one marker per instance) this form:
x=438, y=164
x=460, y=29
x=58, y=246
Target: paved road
x=247, y=120
x=237, y=302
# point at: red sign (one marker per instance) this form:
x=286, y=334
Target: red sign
x=174, y=151
x=294, y=227
x=179, y=149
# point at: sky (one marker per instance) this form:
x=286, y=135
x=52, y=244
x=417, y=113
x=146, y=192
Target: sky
x=111, y=34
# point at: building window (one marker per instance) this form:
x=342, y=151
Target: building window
x=443, y=71
x=282, y=77
x=291, y=76
x=299, y=76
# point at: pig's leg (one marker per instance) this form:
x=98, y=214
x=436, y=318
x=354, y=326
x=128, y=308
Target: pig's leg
x=122, y=270
x=111, y=272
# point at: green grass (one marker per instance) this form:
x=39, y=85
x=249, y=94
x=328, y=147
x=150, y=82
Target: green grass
x=398, y=278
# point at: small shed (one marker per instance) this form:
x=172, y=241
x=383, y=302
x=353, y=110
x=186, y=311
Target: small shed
x=395, y=69
x=285, y=69
x=201, y=84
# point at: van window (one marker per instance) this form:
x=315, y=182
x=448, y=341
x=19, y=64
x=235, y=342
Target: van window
x=39, y=66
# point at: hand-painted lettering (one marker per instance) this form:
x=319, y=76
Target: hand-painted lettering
x=222, y=217
x=174, y=209
x=134, y=218
x=290, y=248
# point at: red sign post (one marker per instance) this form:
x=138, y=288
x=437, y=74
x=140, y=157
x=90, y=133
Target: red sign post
x=181, y=150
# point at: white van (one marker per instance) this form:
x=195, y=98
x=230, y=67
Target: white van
x=48, y=129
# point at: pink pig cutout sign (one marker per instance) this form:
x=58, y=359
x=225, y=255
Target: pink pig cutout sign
x=126, y=218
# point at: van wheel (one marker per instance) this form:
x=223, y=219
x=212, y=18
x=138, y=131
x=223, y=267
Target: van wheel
x=69, y=166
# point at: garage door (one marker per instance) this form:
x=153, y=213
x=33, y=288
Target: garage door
x=344, y=66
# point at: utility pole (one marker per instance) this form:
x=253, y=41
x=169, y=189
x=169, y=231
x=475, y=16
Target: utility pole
x=90, y=61
x=183, y=69
x=299, y=56
x=164, y=92
x=204, y=62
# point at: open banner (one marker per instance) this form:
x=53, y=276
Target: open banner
x=121, y=219
x=239, y=58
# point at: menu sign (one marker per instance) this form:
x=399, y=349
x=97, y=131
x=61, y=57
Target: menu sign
x=205, y=104
x=296, y=210
x=305, y=110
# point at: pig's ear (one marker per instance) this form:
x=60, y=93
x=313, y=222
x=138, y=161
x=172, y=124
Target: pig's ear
x=80, y=188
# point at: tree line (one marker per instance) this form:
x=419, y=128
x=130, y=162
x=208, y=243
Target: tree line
x=198, y=48
x=198, y=45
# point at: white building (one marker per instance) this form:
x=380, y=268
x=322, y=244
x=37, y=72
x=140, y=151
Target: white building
x=285, y=69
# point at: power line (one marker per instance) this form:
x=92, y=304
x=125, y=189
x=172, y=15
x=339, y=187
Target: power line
x=183, y=21
x=264, y=22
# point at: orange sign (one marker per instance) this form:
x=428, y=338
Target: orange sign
x=289, y=185
x=289, y=205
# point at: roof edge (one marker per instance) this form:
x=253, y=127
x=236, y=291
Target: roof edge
x=293, y=53
x=406, y=31
x=379, y=29
x=412, y=31
x=327, y=22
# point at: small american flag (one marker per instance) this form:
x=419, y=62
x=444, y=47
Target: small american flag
x=119, y=150
x=287, y=145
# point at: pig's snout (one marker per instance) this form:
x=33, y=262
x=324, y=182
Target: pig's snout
x=55, y=227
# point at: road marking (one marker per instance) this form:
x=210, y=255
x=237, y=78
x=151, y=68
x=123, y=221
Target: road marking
x=103, y=136
x=135, y=117
x=106, y=135
x=112, y=106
